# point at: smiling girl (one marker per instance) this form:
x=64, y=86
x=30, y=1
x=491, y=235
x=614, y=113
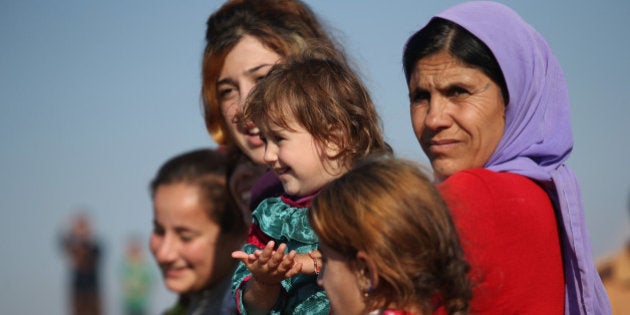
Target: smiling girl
x=195, y=228
x=316, y=119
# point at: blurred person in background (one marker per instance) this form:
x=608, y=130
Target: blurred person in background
x=83, y=253
x=137, y=278
x=615, y=273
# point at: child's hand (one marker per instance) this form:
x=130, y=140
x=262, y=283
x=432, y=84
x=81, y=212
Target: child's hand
x=269, y=266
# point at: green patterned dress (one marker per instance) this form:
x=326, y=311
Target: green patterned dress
x=284, y=220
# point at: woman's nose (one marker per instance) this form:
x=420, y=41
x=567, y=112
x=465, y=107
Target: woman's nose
x=164, y=249
x=437, y=116
x=244, y=90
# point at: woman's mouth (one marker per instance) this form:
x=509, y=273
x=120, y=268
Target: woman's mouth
x=438, y=146
x=173, y=273
x=253, y=137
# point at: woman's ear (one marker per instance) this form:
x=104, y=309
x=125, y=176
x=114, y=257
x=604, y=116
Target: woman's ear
x=366, y=271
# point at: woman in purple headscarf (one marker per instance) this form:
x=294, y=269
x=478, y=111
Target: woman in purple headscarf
x=489, y=106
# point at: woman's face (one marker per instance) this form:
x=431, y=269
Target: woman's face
x=185, y=241
x=341, y=282
x=457, y=112
x=244, y=65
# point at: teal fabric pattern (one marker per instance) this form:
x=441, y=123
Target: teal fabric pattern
x=285, y=223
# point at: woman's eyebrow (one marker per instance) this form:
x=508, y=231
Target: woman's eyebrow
x=247, y=72
x=256, y=68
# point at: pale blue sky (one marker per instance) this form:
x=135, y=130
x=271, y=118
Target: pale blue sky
x=95, y=95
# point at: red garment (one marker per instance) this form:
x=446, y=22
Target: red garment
x=396, y=312
x=509, y=233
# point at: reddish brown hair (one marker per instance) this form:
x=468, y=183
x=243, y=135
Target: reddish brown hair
x=388, y=209
x=283, y=26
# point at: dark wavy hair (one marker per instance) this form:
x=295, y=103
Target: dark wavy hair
x=444, y=35
x=205, y=169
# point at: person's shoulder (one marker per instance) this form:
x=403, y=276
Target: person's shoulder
x=482, y=175
x=486, y=190
x=484, y=180
x=468, y=189
x=479, y=181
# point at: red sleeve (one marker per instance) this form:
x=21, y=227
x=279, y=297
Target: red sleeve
x=510, y=237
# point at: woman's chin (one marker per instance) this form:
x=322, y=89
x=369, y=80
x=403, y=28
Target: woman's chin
x=256, y=154
x=177, y=286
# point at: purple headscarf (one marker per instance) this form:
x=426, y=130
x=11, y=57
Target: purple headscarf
x=537, y=138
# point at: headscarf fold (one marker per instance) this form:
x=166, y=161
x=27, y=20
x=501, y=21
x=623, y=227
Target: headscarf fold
x=538, y=139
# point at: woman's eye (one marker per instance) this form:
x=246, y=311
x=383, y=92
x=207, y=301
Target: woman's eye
x=186, y=237
x=457, y=91
x=158, y=230
x=419, y=97
x=225, y=93
x=261, y=73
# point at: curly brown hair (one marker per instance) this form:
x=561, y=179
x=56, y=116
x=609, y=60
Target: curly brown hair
x=320, y=92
